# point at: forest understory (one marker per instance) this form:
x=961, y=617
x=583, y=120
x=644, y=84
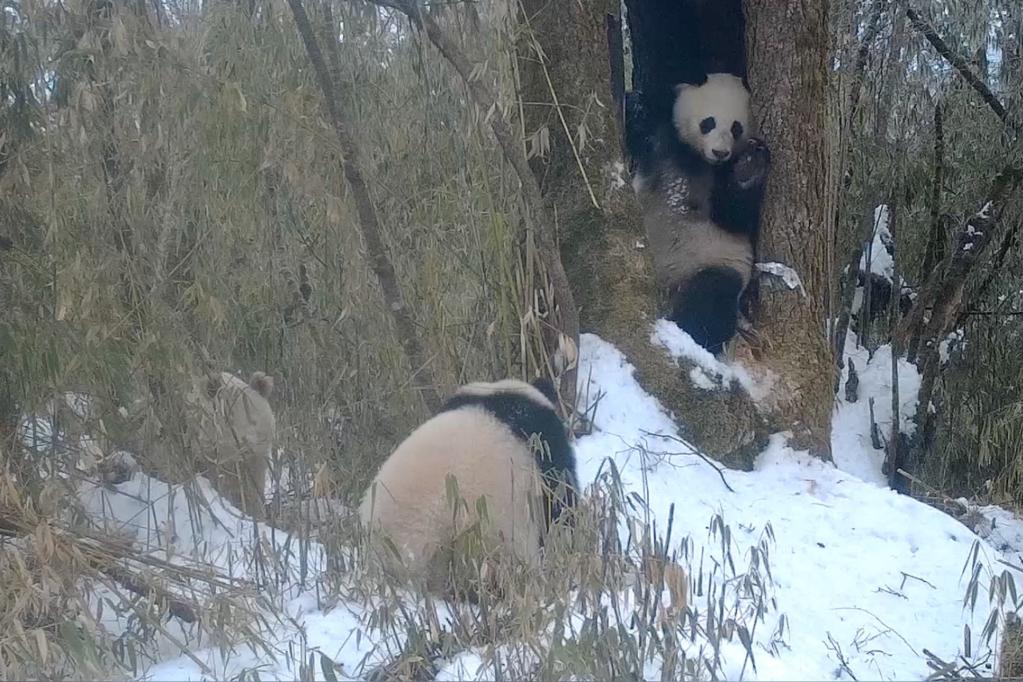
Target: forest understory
x=375, y=202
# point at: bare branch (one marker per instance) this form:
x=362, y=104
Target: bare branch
x=135, y=584
x=873, y=28
x=935, y=250
x=1008, y=241
x=942, y=294
x=943, y=297
x=960, y=64
x=369, y=223
x=102, y=552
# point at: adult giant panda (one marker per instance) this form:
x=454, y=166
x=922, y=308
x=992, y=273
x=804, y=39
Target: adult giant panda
x=699, y=176
x=484, y=436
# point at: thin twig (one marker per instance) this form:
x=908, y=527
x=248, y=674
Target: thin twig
x=693, y=451
x=906, y=576
x=933, y=491
x=886, y=625
x=131, y=582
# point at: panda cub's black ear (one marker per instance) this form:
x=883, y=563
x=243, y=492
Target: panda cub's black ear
x=546, y=386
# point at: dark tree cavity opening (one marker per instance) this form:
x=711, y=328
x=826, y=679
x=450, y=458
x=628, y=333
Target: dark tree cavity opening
x=680, y=42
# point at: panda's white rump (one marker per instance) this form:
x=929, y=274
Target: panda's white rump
x=409, y=500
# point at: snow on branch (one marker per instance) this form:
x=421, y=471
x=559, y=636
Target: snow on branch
x=942, y=299
x=942, y=294
x=783, y=272
x=881, y=261
x=960, y=64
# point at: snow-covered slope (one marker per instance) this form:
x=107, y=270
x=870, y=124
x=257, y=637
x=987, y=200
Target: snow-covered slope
x=861, y=573
x=864, y=580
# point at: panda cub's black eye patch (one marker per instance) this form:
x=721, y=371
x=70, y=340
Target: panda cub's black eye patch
x=707, y=125
x=736, y=130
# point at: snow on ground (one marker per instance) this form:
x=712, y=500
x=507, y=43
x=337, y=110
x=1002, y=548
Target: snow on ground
x=877, y=572
x=160, y=519
x=1002, y=529
x=850, y=426
x=708, y=372
x=881, y=261
x=865, y=578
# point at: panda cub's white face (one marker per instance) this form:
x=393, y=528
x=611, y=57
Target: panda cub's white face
x=713, y=118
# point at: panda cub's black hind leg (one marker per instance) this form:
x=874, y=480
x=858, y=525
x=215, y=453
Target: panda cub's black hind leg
x=707, y=308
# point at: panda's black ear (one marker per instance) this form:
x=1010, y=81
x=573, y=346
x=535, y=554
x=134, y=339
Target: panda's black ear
x=546, y=386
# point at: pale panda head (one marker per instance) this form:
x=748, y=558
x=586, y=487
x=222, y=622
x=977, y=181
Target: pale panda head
x=713, y=118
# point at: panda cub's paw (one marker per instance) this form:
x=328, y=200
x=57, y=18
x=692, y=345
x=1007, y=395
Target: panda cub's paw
x=751, y=167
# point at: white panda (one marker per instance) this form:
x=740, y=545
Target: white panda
x=699, y=176
x=228, y=429
x=234, y=433
x=483, y=437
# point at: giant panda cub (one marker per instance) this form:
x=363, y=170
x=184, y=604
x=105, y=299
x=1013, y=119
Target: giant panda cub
x=699, y=176
x=484, y=436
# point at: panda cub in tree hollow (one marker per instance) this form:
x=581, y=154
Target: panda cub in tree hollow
x=483, y=437
x=699, y=176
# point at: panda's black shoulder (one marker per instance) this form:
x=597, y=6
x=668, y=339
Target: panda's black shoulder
x=524, y=417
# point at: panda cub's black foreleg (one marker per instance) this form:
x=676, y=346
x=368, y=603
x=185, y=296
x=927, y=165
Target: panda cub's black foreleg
x=738, y=190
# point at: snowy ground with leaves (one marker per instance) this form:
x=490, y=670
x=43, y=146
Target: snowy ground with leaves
x=863, y=581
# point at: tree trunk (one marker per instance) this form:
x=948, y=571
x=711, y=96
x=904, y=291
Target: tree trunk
x=564, y=78
x=788, y=46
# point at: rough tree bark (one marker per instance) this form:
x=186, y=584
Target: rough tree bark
x=564, y=80
x=787, y=46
